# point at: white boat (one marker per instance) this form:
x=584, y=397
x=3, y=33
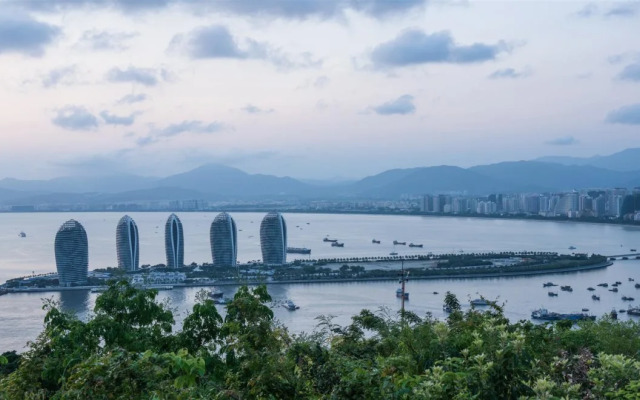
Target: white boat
x=290, y=305
x=479, y=302
x=221, y=300
x=399, y=294
x=216, y=293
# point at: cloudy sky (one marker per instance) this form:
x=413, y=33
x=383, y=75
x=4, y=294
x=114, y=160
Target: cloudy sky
x=311, y=88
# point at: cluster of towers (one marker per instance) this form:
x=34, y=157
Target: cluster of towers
x=72, y=249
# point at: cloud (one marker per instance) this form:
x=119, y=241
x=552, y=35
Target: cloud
x=287, y=9
x=103, y=40
x=628, y=9
x=143, y=76
x=216, y=42
x=402, y=105
x=75, y=118
x=111, y=119
x=59, y=76
x=563, y=141
x=251, y=109
x=630, y=73
x=19, y=33
x=132, y=98
x=321, y=81
x=627, y=115
x=416, y=47
x=172, y=130
x=587, y=11
x=509, y=73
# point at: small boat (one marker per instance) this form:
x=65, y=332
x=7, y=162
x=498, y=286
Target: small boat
x=614, y=285
x=375, y=241
x=399, y=294
x=634, y=311
x=585, y=309
x=603, y=284
x=612, y=258
x=479, y=302
x=633, y=250
x=566, y=288
x=290, y=305
x=329, y=240
x=590, y=289
x=216, y=293
x=626, y=298
x=548, y=284
x=631, y=279
x=435, y=292
x=22, y=235
x=625, y=258
x=395, y=242
x=614, y=314
x=545, y=315
x=618, y=283
x=221, y=300
x=614, y=290
x=298, y=250
x=572, y=247
x=622, y=311
x=100, y=289
x=414, y=245
x=637, y=285
x=337, y=244
x=446, y=309
x=553, y=294
x=594, y=297
x=393, y=253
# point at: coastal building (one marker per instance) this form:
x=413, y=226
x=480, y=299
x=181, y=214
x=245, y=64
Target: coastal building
x=72, y=254
x=224, y=241
x=127, y=244
x=273, y=239
x=174, y=242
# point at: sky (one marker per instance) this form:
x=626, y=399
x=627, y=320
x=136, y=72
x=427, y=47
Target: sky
x=317, y=89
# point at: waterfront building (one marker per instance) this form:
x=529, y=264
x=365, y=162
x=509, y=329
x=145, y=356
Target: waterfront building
x=273, y=239
x=127, y=244
x=72, y=254
x=174, y=242
x=224, y=241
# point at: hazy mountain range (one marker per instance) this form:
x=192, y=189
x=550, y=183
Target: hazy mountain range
x=218, y=182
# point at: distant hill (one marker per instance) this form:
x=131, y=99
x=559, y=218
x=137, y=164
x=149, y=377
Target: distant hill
x=625, y=160
x=81, y=184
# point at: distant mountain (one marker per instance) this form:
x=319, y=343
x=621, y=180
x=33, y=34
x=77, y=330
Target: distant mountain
x=625, y=160
x=81, y=184
x=226, y=181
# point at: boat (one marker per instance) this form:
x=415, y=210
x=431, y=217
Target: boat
x=614, y=290
x=552, y=294
x=566, y=288
x=548, y=284
x=399, y=294
x=594, y=297
x=633, y=250
x=329, y=240
x=626, y=298
x=216, y=293
x=603, y=284
x=545, y=315
x=298, y=250
x=337, y=244
x=393, y=253
x=614, y=285
x=637, y=285
x=395, y=242
x=221, y=300
x=618, y=283
x=585, y=309
x=435, y=292
x=22, y=235
x=622, y=311
x=590, y=289
x=631, y=279
x=414, y=245
x=290, y=305
x=634, y=311
x=572, y=247
x=446, y=309
x=375, y=241
x=99, y=289
x=625, y=258
x=479, y=302
x=614, y=314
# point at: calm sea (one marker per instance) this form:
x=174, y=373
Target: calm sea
x=21, y=314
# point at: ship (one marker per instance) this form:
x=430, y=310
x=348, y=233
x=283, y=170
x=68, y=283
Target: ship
x=290, y=305
x=298, y=250
x=626, y=298
x=395, y=242
x=603, y=284
x=637, y=285
x=552, y=294
x=572, y=247
x=216, y=293
x=329, y=240
x=399, y=294
x=614, y=290
x=221, y=300
x=548, y=284
x=479, y=302
x=414, y=245
x=594, y=297
x=634, y=311
x=545, y=315
x=393, y=253
x=590, y=289
x=566, y=288
x=337, y=244
x=22, y=235
x=375, y=241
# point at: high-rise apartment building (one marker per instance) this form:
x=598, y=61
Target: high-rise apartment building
x=273, y=239
x=72, y=254
x=174, y=242
x=224, y=241
x=127, y=244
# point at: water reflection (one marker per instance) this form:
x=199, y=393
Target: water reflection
x=75, y=301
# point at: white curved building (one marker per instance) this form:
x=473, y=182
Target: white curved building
x=174, y=242
x=72, y=254
x=127, y=244
x=224, y=241
x=273, y=239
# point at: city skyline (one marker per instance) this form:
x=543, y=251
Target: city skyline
x=367, y=85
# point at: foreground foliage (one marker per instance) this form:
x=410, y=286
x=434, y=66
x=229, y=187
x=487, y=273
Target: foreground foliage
x=127, y=350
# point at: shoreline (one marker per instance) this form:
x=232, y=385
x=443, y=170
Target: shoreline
x=344, y=280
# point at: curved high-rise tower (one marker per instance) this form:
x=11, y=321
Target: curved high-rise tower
x=224, y=245
x=72, y=254
x=273, y=239
x=174, y=242
x=127, y=244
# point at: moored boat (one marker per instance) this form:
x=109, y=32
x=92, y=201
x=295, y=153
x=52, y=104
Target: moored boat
x=290, y=305
x=216, y=293
x=594, y=297
x=329, y=240
x=552, y=294
x=337, y=244
x=590, y=289
x=545, y=315
x=298, y=250
x=399, y=294
x=479, y=302
x=375, y=241
x=614, y=290
x=566, y=288
x=393, y=253
x=634, y=311
x=637, y=285
x=603, y=284
x=395, y=242
x=414, y=245
x=547, y=284
x=626, y=298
